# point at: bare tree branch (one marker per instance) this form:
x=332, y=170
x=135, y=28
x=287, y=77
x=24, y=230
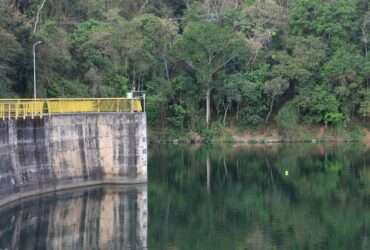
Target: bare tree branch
x=38, y=15
x=142, y=8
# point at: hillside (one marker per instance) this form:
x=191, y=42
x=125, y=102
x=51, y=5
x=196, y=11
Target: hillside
x=203, y=64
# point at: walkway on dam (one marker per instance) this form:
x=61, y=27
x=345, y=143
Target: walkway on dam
x=37, y=108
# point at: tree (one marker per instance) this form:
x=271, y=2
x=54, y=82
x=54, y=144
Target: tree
x=220, y=7
x=365, y=30
x=328, y=19
x=317, y=104
x=275, y=88
x=207, y=48
x=144, y=45
x=158, y=36
x=301, y=60
x=344, y=73
x=238, y=58
x=53, y=57
x=261, y=22
x=228, y=94
x=92, y=45
x=9, y=50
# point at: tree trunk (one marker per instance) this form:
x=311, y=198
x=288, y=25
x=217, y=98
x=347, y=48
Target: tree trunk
x=226, y=168
x=270, y=111
x=166, y=68
x=225, y=114
x=208, y=108
x=366, y=51
x=162, y=117
x=237, y=112
x=208, y=174
x=37, y=19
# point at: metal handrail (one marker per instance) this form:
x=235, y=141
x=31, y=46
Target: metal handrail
x=31, y=108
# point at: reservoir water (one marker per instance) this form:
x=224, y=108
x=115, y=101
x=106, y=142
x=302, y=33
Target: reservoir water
x=288, y=197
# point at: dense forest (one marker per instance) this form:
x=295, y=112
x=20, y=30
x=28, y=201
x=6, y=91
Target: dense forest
x=244, y=63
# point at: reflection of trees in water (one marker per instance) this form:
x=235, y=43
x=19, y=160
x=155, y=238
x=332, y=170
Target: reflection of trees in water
x=242, y=198
x=101, y=218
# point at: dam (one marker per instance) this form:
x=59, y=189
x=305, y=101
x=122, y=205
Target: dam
x=49, y=145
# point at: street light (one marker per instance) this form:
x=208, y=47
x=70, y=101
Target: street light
x=34, y=68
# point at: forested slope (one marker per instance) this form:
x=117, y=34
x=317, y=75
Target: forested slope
x=246, y=63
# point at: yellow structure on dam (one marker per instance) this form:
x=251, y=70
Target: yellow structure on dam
x=32, y=108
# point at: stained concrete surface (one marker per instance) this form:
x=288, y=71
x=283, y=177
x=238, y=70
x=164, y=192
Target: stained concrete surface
x=42, y=155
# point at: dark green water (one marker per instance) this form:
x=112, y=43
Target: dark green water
x=291, y=197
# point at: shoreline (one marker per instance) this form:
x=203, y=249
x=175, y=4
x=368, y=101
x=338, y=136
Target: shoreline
x=252, y=142
x=316, y=135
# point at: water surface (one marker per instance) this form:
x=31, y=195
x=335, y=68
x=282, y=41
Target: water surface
x=96, y=218
x=288, y=197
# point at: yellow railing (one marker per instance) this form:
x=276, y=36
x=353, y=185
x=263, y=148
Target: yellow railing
x=30, y=108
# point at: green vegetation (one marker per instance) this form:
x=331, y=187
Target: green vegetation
x=203, y=64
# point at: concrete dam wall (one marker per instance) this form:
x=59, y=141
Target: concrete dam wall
x=64, y=151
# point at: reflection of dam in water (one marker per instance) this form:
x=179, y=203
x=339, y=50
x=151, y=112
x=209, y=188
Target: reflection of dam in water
x=101, y=218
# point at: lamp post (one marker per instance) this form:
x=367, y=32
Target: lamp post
x=34, y=69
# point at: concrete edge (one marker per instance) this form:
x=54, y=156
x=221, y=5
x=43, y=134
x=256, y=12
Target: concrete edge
x=94, y=113
x=14, y=198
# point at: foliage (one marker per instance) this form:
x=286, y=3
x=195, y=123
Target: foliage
x=207, y=49
x=323, y=18
x=300, y=61
x=68, y=88
x=244, y=62
x=177, y=116
x=288, y=117
x=249, y=118
x=319, y=106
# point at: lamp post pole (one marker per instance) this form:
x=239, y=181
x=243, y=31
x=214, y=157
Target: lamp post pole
x=34, y=69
